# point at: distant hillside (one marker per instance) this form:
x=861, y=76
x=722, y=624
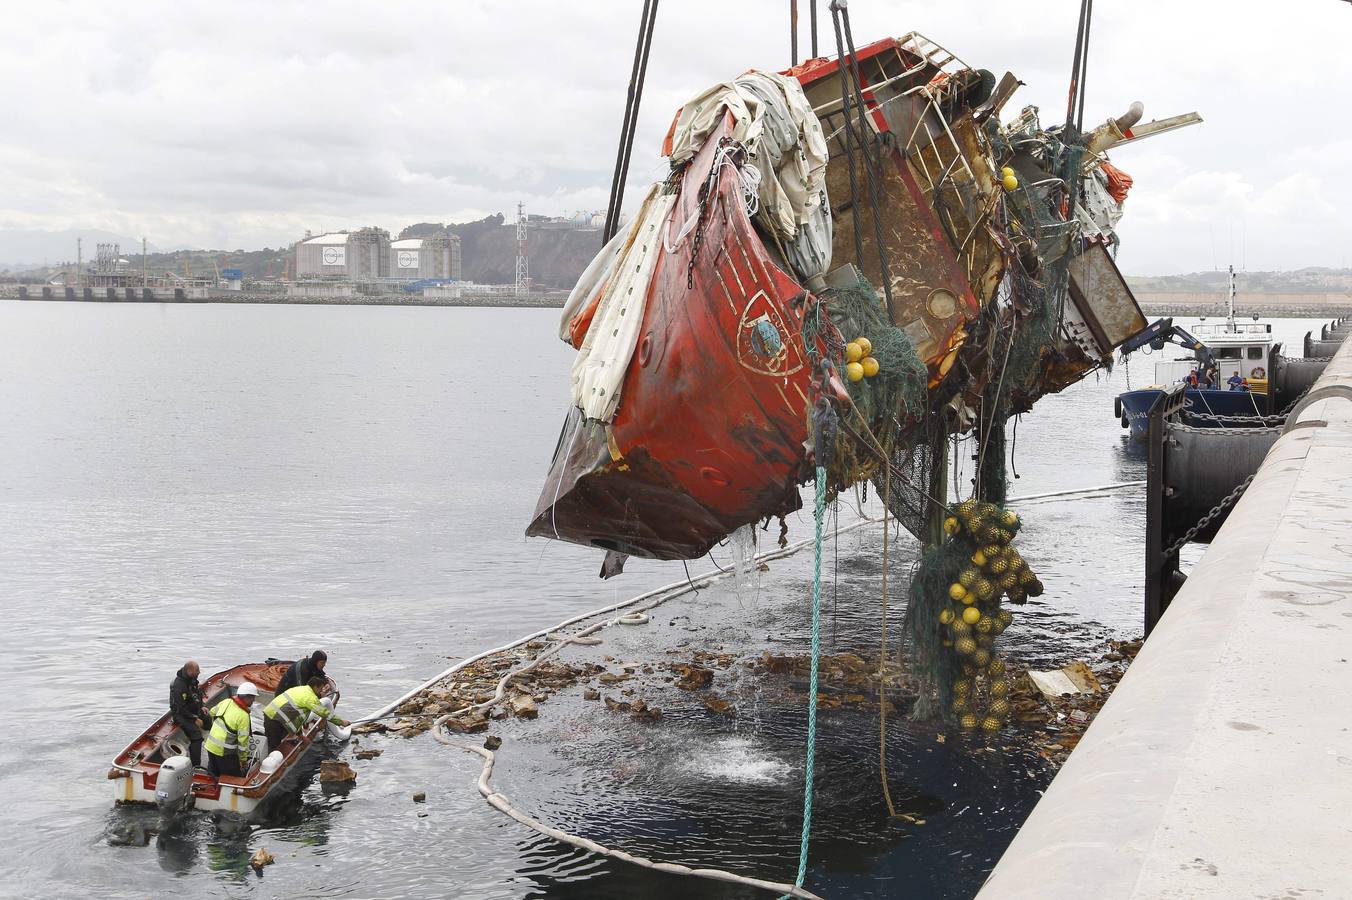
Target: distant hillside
x=1312, y=280
x=558, y=251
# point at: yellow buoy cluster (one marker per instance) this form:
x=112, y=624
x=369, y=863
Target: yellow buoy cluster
x=1009, y=179
x=970, y=625
x=859, y=360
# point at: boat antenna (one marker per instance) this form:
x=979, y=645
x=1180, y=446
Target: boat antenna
x=1230, y=304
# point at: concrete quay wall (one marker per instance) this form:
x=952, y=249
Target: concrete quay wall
x=1222, y=764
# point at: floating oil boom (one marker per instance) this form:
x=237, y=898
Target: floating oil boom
x=805, y=210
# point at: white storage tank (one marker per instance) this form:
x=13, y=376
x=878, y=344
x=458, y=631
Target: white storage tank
x=325, y=254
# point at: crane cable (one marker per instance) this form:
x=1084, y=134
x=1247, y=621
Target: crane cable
x=852, y=97
x=630, y=123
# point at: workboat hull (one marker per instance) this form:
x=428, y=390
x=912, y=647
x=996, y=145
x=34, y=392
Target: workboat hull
x=1133, y=408
x=136, y=769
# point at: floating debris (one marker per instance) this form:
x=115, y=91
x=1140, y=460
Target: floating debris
x=719, y=705
x=468, y=723
x=335, y=771
x=1073, y=678
x=640, y=711
x=1062, y=719
x=693, y=678
x=260, y=859
x=523, y=706
x=420, y=797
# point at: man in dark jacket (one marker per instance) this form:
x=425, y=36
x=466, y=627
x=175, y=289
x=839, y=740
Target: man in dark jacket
x=302, y=670
x=188, y=708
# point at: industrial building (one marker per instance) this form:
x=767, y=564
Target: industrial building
x=368, y=257
x=362, y=255
x=435, y=256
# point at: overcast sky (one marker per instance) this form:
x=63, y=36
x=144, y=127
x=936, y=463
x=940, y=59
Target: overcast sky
x=242, y=124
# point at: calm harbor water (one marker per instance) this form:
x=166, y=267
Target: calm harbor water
x=235, y=482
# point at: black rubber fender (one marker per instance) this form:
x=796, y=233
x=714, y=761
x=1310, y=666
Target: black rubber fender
x=1117, y=408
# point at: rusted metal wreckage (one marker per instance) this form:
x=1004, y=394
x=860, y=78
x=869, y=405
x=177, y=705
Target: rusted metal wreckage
x=699, y=325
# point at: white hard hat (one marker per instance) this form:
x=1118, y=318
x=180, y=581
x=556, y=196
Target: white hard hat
x=246, y=689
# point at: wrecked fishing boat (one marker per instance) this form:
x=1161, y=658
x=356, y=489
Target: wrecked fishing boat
x=860, y=232
x=155, y=769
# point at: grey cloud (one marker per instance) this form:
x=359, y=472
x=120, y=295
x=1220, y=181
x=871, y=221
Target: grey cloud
x=241, y=125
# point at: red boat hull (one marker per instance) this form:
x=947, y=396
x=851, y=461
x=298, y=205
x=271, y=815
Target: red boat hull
x=712, y=421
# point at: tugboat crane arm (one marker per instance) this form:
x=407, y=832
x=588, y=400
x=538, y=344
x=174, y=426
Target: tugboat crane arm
x=1163, y=331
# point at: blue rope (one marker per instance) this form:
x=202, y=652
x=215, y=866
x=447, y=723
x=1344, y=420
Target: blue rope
x=812, y=681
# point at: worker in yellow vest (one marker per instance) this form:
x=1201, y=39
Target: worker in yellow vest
x=228, y=744
x=290, y=710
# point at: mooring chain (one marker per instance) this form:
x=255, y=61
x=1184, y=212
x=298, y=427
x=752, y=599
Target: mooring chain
x=1226, y=503
x=1218, y=417
x=1292, y=405
x=1275, y=418
x=1206, y=429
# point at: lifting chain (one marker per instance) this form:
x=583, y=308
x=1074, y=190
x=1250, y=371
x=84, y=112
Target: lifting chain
x=1226, y=503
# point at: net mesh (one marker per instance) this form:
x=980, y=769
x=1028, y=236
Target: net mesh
x=887, y=405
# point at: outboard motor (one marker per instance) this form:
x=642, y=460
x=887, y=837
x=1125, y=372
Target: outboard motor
x=173, y=785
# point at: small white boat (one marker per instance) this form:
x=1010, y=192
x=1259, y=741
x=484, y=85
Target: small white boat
x=154, y=769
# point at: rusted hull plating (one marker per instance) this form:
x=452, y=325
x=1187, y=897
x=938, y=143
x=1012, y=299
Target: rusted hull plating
x=710, y=431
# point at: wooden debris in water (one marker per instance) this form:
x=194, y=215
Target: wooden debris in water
x=335, y=771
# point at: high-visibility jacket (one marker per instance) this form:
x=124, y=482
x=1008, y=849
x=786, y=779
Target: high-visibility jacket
x=230, y=729
x=294, y=705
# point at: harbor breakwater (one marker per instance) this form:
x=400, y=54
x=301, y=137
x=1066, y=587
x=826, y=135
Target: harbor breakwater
x=553, y=299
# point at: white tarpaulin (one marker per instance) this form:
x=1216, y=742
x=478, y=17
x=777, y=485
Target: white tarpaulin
x=598, y=371
x=776, y=124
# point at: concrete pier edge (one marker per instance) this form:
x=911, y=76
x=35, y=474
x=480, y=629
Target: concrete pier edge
x=1222, y=764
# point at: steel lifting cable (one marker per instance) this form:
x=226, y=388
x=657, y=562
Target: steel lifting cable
x=1076, y=63
x=812, y=17
x=630, y=123
x=840, y=14
x=849, y=134
x=1084, y=64
x=1075, y=108
x=871, y=160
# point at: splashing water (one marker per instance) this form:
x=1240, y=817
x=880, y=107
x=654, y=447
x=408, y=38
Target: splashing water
x=737, y=759
x=745, y=572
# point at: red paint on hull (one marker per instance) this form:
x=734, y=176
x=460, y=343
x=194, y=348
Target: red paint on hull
x=713, y=415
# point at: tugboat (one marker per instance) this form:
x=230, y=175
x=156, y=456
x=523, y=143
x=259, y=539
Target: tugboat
x=154, y=769
x=1228, y=366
